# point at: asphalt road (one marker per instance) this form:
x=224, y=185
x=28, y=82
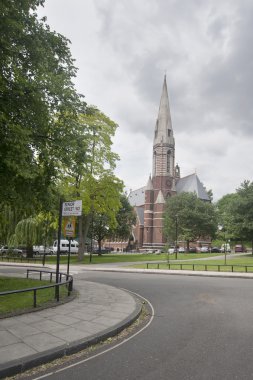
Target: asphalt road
x=202, y=329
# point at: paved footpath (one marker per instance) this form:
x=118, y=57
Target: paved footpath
x=99, y=311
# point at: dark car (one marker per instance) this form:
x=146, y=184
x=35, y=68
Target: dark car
x=103, y=250
x=215, y=250
x=192, y=250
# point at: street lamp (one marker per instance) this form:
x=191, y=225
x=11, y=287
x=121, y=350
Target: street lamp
x=222, y=228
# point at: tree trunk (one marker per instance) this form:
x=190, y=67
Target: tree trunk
x=29, y=251
x=84, y=223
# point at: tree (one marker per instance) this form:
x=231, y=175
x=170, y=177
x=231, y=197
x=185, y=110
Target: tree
x=38, y=104
x=195, y=218
x=125, y=218
x=99, y=228
x=26, y=234
x=243, y=211
x=90, y=176
x=226, y=216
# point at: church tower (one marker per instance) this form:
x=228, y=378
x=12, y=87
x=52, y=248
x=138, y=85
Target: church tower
x=164, y=175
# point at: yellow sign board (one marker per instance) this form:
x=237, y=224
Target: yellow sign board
x=69, y=227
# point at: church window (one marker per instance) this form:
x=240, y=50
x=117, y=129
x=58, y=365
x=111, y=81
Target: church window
x=168, y=160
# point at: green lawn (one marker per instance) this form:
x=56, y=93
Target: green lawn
x=124, y=258
x=19, y=302
x=239, y=264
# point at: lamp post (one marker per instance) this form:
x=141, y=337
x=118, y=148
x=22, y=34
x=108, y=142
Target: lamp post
x=222, y=228
x=176, y=233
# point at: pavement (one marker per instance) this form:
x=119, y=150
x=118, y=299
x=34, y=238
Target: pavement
x=98, y=312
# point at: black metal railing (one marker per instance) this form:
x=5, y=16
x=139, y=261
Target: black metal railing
x=193, y=267
x=21, y=259
x=67, y=281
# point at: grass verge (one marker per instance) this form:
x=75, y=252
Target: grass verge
x=21, y=302
x=124, y=258
x=238, y=263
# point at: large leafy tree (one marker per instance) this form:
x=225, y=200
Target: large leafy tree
x=91, y=176
x=244, y=211
x=38, y=104
x=236, y=211
x=125, y=218
x=195, y=218
x=226, y=216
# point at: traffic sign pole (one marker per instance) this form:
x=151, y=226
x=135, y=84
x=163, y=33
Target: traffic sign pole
x=57, y=291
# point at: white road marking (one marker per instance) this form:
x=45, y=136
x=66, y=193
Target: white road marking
x=108, y=349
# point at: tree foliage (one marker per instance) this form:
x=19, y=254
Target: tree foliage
x=38, y=103
x=236, y=213
x=125, y=219
x=195, y=218
x=91, y=176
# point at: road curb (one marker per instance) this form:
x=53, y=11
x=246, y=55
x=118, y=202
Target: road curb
x=175, y=272
x=21, y=365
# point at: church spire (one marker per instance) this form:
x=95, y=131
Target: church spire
x=163, y=129
x=164, y=143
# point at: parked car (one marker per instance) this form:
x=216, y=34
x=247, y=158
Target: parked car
x=5, y=250
x=240, y=248
x=215, y=250
x=181, y=249
x=192, y=250
x=41, y=249
x=204, y=249
x=103, y=250
x=171, y=250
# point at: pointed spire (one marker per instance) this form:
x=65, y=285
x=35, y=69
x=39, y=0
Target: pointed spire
x=163, y=130
x=160, y=198
x=149, y=184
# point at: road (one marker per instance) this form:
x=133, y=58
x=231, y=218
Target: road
x=202, y=329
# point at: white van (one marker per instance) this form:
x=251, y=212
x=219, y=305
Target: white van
x=226, y=247
x=64, y=246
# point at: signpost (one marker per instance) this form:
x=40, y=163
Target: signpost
x=72, y=208
x=69, y=228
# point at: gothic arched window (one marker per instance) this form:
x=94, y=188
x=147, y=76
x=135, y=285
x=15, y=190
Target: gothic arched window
x=168, y=160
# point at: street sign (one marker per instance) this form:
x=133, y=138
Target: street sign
x=69, y=227
x=73, y=208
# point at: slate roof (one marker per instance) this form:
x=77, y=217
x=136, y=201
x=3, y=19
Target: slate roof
x=188, y=184
x=140, y=214
x=192, y=184
x=137, y=197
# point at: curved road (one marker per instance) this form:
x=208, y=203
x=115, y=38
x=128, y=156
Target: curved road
x=202, y=329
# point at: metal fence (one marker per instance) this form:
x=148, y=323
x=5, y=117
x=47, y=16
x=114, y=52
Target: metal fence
x=205, y=267
x=22, y=259
x=64, y=280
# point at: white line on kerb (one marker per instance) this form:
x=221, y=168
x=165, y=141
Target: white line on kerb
x=108, y=349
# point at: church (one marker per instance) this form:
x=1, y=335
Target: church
x=149, y=201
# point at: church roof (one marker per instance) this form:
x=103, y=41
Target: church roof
x=192, y=184
x=160, y=198
x=140, y=214
x=137, y=197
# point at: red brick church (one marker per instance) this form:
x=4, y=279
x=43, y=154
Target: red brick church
x=149, y=201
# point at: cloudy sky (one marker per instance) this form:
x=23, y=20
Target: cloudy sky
x=123, y=49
